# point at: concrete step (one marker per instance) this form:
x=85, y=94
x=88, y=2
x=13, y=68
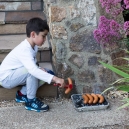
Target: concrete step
x=19, y=17
x=6, y=29
x=2, y=17
x=22, y=17
x=8, y=42
x=47, y=90
x=15, y=22
x=21, y=5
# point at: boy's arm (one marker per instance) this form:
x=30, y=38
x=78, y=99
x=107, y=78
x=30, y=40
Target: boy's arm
x=28, y=62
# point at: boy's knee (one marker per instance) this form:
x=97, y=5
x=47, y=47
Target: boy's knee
x=25, y=71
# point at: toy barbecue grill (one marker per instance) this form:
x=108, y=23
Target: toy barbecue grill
x=89, y=102
x=86, y=102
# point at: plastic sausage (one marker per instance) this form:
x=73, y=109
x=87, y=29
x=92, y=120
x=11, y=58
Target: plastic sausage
x=67, y=90
x=85, y=99
x=101, y=98
x=90, y=98
x=70, y=86
x=95, y=98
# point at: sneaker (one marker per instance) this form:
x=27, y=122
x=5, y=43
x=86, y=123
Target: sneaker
x=36, y=105
x=21, y=98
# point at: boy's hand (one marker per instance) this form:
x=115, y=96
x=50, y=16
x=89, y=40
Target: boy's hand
x=59, y=81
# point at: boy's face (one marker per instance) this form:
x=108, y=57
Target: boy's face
x=40, y=38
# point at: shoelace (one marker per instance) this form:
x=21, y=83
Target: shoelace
x=37, y=101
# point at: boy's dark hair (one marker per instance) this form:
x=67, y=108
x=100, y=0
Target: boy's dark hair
x=36, y=24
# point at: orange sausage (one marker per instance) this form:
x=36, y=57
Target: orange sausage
x=70, y=86
x=85, y=99
x=67, y=90
x=101, y=98
x=95, y=98
x=70, y=81
x=90, y=98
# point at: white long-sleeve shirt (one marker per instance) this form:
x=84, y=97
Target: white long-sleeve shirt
x=23, y=55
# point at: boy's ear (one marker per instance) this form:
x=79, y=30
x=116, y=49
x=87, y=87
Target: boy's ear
x=32, y=34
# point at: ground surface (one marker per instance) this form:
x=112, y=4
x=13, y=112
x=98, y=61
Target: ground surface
x=62, y=115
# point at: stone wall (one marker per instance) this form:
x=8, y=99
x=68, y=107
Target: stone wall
x=75, y=51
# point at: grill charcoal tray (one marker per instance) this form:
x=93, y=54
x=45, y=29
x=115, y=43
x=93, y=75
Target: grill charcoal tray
x=80, y=106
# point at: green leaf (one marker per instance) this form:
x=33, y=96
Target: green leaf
x=123, y=106
x=126, y=99
x=121, y=80
x=107, y=89
x=123, y=88
x=119, y=72
x=127, y=51
x=126, y=59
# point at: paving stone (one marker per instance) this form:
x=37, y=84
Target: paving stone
x=105, y=127
x=2, y=17
x=22, y=17
x=61, y=115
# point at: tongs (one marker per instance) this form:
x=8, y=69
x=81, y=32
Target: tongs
x=68, y=87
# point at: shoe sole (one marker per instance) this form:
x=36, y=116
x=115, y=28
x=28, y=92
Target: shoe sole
x=32, y=109
x=19, y=101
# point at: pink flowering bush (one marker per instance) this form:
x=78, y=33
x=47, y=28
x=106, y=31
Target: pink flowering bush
x=110, y=31
x=126, y=26
x=126, y=2
x=112, y=6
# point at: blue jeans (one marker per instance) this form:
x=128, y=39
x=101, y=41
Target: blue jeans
x=21, y=76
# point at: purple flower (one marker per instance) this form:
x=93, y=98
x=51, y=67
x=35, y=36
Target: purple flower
x=127, y=6
x=126, y=2
x=107, y=32
x=126, y=25
x=97, y=35
x=114, y=26
x=111, y=6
